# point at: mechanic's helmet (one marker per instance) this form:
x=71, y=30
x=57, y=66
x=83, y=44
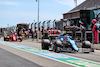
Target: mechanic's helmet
x=94, y=21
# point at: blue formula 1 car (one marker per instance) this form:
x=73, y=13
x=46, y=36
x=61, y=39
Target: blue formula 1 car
x=58, y=43
x=64, y=43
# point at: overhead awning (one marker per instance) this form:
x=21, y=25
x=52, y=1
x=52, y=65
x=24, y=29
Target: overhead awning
x=73, y=15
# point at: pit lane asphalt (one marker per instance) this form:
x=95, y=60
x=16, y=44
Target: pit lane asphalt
x=47, y=62
x=93, y=56
x=44, y=62
x=8, y=59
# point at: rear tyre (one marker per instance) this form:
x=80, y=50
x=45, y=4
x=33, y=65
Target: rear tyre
x=86, y=44
x=45, y=44
x=4, y=39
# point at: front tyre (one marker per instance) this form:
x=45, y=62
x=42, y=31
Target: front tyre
x=44, y=45
x=20, y=40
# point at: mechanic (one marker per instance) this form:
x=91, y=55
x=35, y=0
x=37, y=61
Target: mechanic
x=83, y=30
x=42, y=32
x=18, y=31
x=92, y=24
x=23, y=30
x=15, y=32
x=48, y=29
x=74, y=31
x=51, y=31
x=27, y=33
x=36, y=30
x=64, y=31
x=95, y=29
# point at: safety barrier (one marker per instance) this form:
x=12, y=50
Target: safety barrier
x=80, y=32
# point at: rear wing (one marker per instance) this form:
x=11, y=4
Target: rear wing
x=6, y=33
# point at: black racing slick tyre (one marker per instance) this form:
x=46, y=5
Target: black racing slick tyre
x=4, y=39
x=86, y=44
x=59, y=43
x=45, y=44
x=20, y=40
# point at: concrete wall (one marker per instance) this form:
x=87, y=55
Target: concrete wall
x=96, y=46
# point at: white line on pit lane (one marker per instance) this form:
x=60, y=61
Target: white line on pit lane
x=97, y=50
